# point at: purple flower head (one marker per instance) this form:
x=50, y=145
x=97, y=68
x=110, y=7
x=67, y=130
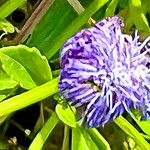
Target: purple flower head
x=105, y=72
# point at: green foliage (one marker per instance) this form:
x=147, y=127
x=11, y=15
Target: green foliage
x=98, y=139
x=27, y=98
x=25, y=66
x=6, y=82
x=110, y=11
x=145, y=126
x=41, y=137
x=6, y=26
x=10, y=66
x=9, y=6
x=51, y=27
x=66, y=115
x=132, y=132
x=27, y=76
x=7, y=85
x=81, y=140
x=138, y=16
x=50, y=47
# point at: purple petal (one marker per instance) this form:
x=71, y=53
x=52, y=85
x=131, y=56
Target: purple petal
x=105, y=71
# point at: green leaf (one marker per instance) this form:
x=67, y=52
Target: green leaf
x=9, y=6
x=98, y=139
x=7, y=85
x=145, y=126
x=51, y=26
x=51, y=44
x=6, y=82
x=75, y=26
x=27, y=98
x=3, y=145
x=6, y=26
x=66, y=115
x=122, y=3
x=2, y=97
x=131, y=143
x=110, y=11
x=78, y=140
x=132, y=132
x=141, y=22
x=138, y=16
x=7, y=93
x=27, y=65
x=16, y=71
x=136, y=3
x=2, y=119
x=41, y=137
x=90, y=143
x=82, y=139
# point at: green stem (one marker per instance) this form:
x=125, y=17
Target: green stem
x=30, y=97
x=132, y=132
x=74, y=26
x=41, y=137
x=98, y=139
x=7, y=8
x=66, y=138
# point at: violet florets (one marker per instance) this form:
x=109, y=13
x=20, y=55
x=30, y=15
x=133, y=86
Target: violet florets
x=106, y=72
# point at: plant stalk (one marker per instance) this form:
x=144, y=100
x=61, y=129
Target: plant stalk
x=27, y=98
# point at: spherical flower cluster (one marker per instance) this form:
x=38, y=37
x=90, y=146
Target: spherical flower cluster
x=105, y=72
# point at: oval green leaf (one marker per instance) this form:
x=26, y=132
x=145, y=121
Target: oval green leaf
x=16, y=72
x=66, y=115
x=25, y=65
